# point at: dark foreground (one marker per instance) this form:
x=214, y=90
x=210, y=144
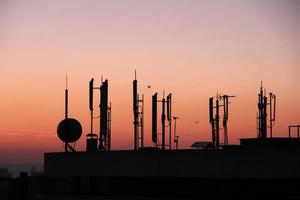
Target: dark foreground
x=147, y=188
x=256, y=169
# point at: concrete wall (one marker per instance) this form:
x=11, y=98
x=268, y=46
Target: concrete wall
x=262, y=162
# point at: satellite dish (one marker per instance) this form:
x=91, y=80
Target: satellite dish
x=69, y=130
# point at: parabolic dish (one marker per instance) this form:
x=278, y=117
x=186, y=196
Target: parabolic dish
x=69, y=130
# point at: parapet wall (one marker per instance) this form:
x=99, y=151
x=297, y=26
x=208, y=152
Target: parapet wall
x=246, y=162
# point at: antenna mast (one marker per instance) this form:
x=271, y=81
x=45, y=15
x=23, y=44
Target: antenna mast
x=138, y=115
x=214, y=118
x=69, y=130
x=262, y=113
x=66, y=98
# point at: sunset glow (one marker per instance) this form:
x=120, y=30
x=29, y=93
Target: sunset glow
x=193, y=49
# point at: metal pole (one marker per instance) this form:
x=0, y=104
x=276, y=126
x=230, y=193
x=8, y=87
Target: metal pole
x=175, y=128
x=217, y=123
x=135, y=113
x=163, y=119
x=101, y=136
x=260, y=108
x=175, y=137
x=225, y=105
x=271, y=116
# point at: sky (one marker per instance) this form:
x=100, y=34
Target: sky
x=192, y=49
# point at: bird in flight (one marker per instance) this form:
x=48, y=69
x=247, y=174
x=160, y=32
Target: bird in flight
x=149, y=86
x=196, y=122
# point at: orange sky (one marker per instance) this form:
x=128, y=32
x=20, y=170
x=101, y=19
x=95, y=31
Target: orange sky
x=193, y=49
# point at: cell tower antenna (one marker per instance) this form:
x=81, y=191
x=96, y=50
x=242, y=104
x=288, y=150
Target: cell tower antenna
x=138, y=113
x=69, y=130
x=66, y=98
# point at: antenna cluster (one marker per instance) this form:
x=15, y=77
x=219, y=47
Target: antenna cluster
x=214, y=118
x=69, y=130
x=164, y=117
x=262, y=113
x=104, y=116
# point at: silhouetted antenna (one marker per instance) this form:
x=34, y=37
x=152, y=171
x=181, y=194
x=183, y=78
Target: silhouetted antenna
x=217, y=120
x=154, y=119
x=103, y=115
x=225, y=116
x=166, y=114
x=138, y=115
x=169, y=118
x=69, y=130
x=176, y=137
x=163, y=122
x=91, y=94
x=92, y=139
x=105, y=118
x=108, y=141
x=169, y=107
x=272, y=105
x=212, y=121
x=135, y=113
x=262, y=113
x=214, y=118
x=66, y=98
x=211, y=111
x=91, y=100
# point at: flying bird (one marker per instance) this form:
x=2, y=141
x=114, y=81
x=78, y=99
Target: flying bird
x=196, y=122
x=149, y=86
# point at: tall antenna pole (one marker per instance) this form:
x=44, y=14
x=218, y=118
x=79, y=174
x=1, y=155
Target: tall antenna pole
x=103, y=115
x=270, y=118
x=66, y=108
x=175, y=136
x=163, y=120
x=91, y=96
x=154, y=119
x=262, y=114
x=169, y=117
x=66, y=98
x=212, y=121
x=109, y=127
x=225, y=118
x=217, y=123
x=135, y=113
x=272, y=105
